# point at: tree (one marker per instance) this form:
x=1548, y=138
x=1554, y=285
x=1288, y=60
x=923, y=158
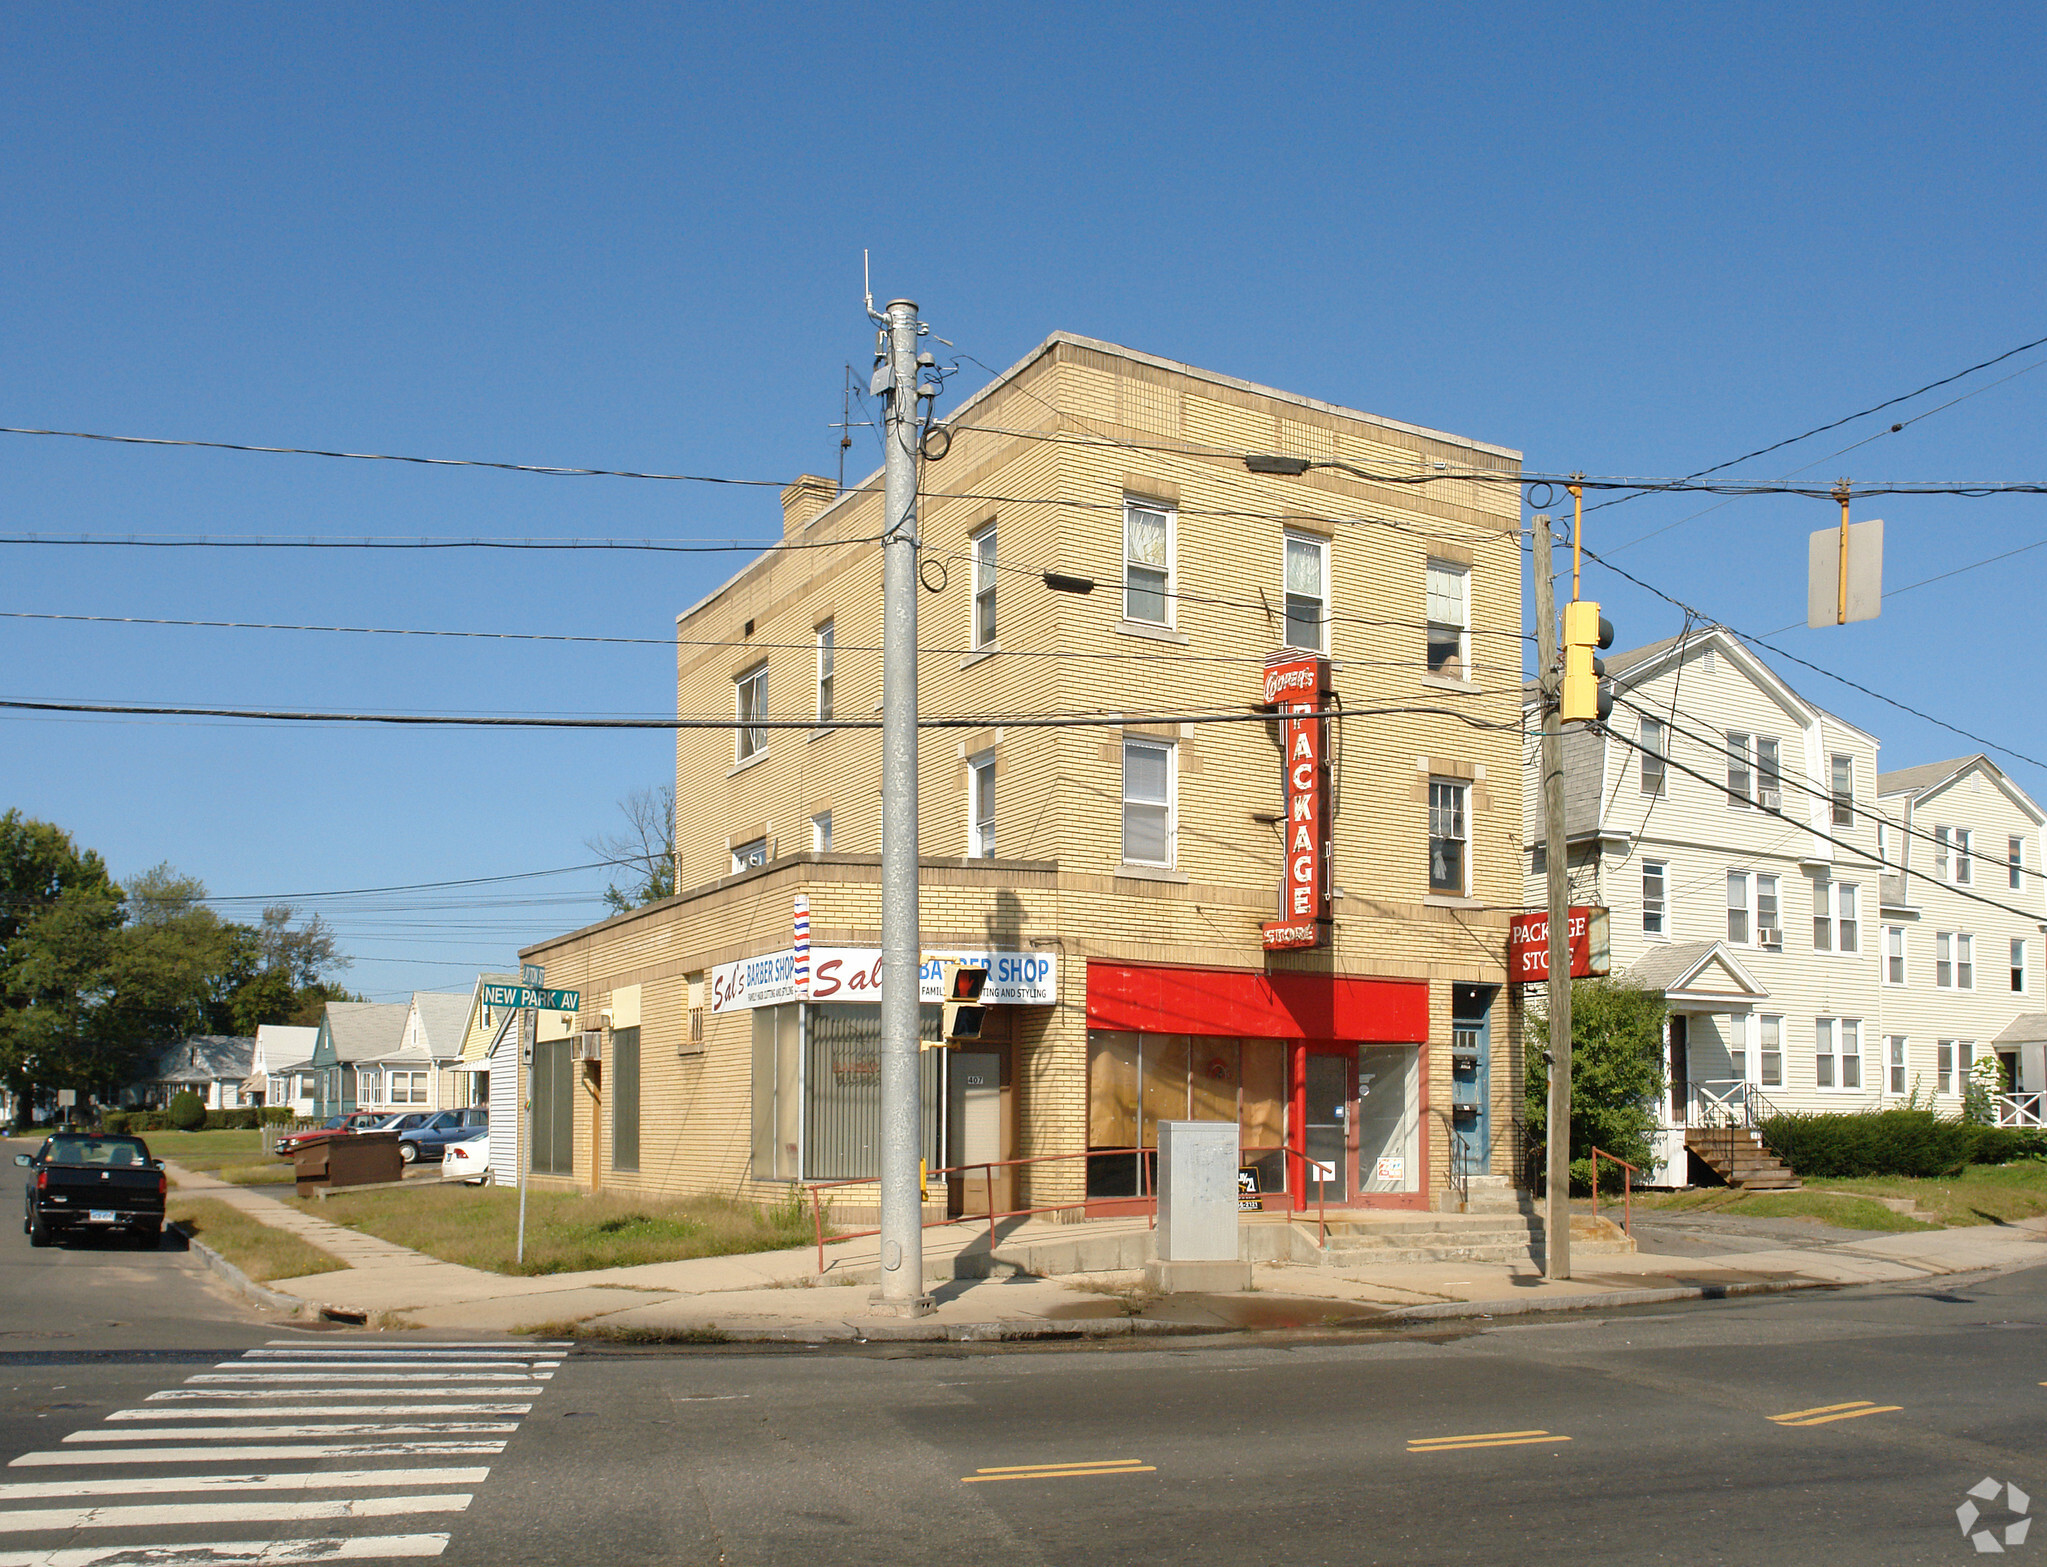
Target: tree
x=60, y=913
x=1616, y=1069
x=645, y=851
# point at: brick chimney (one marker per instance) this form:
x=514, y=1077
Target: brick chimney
x=803, y=500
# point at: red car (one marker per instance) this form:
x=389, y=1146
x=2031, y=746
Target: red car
x=333, y=1126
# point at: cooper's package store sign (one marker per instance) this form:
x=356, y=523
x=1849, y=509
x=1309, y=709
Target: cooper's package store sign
x=1591, y=945
x=1017, y=979
x=1298, y=687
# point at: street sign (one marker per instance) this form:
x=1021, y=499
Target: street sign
x=1528, y=946
x=1857, y=553
x=516, y=996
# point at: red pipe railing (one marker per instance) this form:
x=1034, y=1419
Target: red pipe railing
x=1627, y=1188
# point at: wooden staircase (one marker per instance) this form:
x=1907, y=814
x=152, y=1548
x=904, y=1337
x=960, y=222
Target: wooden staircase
x=1737, y=1155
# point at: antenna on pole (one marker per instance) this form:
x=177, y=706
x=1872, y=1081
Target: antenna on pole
x=845, y=425
x=867, y=285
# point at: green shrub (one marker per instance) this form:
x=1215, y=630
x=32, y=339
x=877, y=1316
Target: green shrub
x=188, y=1111
x=277, y=1115
x=1892, y=1142
x=116, y=1121
x=242, y=1120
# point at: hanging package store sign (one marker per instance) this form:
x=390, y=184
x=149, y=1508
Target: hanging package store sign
x=1528, y=945
x=1017, y=979
x=1298, y=687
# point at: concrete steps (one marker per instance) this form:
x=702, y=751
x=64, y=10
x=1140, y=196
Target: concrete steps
x=1737, y=1155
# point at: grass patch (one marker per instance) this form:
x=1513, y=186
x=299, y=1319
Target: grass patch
x=278, y=1172
x=1981, y=1194
x=566, y=1232
x=210, y=1150
x=259, y=1250
x=1845, y=1213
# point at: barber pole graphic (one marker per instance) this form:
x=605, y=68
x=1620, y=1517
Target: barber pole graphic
x=1298, y=688
x=802, y=945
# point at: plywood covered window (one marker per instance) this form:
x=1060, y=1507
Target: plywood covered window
x=1137, y=1080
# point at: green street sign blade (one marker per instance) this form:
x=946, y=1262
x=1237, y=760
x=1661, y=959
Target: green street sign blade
x=516, y=996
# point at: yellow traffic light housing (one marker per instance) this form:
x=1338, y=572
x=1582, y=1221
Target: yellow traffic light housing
x=1585, y=629
x=962, y=985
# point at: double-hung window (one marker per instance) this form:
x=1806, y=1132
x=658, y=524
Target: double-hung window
x=1147, y=563
x=1447, y=835
x=1965, y=864
x=1740, y=771
x=1951, y=861
x=1842, y=790
x=1148, y=802
x=2015, y=860
x=1894, y=1063
x=2018, y=965
x=1655, y=907
x=1770, y=1049
x=1954, y=960
x=1944, y=1066
x=1769, y=917
x=1769, y=774
x=981, y=807
x=1655, y=739
x=1836, y=911
x=1737, y=908
x=1449, y=619
x=1307, y=592
x=1894, y=954
x=984, y=587
x=827, y=635
x=1837, y=1052
x=750, y=702
x=369, y=1088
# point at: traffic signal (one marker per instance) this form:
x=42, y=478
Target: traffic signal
x=962, y=985
x=1585, y=698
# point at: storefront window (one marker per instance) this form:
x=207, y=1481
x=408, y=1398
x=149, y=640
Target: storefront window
x=1137, y=1080
x=1388, y=1123
x=817, y=1092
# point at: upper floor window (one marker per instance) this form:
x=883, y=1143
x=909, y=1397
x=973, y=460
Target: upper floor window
x=1894, y=954
x=981, y=807
x=1951, y=860
x=1740, y=770
x=1841, y=787
x=1769, y=774
x=1760, y=922
x=2018, y=965
x=1836, y=910
x=1655, y=736
x=984, y=587
x=1307, y=591
x=1737, y=908
x=750, y=698
x=1837, y=1052
x=1655, y=881
x=1449, y=619
x=826, y=636
x=745, y=856
x=2015, y=859
x=1148, y=802
x=1447, y=835
x=1147, y=563
x=1954, y=960
x=821, y=833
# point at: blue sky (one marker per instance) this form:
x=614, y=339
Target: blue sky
x=1624, y=240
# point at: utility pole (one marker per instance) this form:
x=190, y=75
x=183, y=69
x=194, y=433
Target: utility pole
x=902, y=1211
x=1556, y=1228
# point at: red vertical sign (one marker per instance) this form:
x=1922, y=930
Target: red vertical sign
x=1297, y=686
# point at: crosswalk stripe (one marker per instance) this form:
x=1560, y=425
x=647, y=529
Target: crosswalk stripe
x=29, y=1520
x=432, y=1369
x=428, y=1355
x=310, y=1480
x=251, y=1455
x=263, y=1433
x=428, y=1345
x=238, y=1553
x=277, y=1411
x=282, y=1378
x=173, y=1395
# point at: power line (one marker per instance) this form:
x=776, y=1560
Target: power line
x=276, y=542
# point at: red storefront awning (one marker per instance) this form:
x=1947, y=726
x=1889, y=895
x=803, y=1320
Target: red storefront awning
x=1252, y=1005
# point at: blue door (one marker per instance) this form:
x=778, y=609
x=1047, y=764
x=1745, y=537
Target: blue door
x=1471, y=1032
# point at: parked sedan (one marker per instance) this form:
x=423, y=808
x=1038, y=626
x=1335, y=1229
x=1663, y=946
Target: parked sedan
x=468, y=1161
x=426, y=1134
x=333, y=1126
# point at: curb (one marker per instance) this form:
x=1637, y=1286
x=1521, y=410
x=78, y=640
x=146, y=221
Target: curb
x=275, y=1300
x=1592, y=1302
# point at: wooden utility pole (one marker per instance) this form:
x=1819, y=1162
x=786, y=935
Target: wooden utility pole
x=1556, y=1229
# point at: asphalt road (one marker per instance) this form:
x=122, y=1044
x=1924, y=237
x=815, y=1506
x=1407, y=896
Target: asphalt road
x=148, y=1416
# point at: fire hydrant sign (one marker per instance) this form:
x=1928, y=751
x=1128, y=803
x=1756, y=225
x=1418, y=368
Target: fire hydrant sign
x=1528, y=946
x=1298, y=687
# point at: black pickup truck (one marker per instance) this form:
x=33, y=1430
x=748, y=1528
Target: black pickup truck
x=83, y=1181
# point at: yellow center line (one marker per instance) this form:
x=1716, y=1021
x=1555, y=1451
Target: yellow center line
x=1824, y=1409
x=1457, y=1446
x=1090, y=1463
x=1852, y=1414
x=1069, y=1472
x=1471, y=1436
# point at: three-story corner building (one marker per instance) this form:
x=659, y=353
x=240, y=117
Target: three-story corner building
x=1960, y=943
x=1115, y=874
x=1727, y=823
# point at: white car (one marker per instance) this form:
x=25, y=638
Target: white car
x=468, y=1160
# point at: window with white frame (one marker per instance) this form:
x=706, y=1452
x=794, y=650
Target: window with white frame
x=1754, y=915
x=1655, y=891
x=1769, y=774
x=983, y=544
x=1951, y=860
x=1837, y=1052
x=981, y=807
x=2018, y=965
x=1449, y=619
x=1965, y=961
x=745, y=856
x=750, y=703
x=1836, y=915
x=411, y=1084
x=1944, y=1066
x=821, y=833
x=1148, y=802
x=1965, y=861
x=1655, y=739
x=1307, y=591
x=1894, y=954
x=1770, y=1050
x=1954, y=960
x=827, y=636
x=1737, y=908
x=1740, y=770
x=1447, y=835
x=1147, y=562
x=369, y=1087
x=1769, y=916
x=1841, y=789
x=2015, y=860
x=1894, y=1063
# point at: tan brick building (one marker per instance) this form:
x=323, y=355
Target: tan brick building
x=1116, y=874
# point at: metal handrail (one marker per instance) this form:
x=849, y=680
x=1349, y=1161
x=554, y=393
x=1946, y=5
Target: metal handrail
x=1627, y=1189
x=1743, y=1104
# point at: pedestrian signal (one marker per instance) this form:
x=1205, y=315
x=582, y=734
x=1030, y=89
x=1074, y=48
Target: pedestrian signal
x=962, y=986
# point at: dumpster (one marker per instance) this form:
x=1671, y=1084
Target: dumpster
x=358, y=1159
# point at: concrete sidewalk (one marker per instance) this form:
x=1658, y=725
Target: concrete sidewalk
x=1096, y=1290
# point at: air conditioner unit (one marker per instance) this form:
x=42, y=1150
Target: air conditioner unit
x=1770, y=799
x=1769, y=936
x=587, y=1046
